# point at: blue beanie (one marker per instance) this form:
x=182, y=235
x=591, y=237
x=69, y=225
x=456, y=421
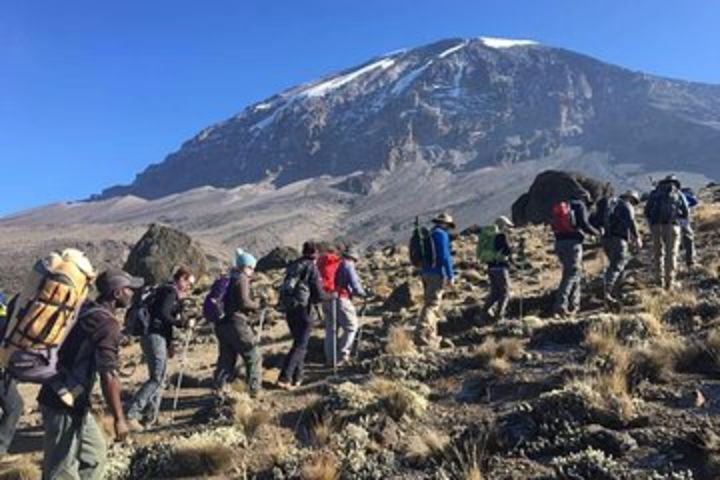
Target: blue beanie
x=244, y=259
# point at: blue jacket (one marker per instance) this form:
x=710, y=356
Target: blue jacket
x=347, y=281
x=443, y=266
x=690, y=199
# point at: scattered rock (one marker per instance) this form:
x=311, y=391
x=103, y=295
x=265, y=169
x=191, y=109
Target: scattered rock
x=277, y=259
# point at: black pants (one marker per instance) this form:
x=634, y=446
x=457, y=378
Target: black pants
x=300, y=322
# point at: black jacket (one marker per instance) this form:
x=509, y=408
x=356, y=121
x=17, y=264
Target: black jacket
x=164, y=311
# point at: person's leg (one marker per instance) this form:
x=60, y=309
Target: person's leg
x=494, y=294
x=565, y=252
x=576, y=272
x=618, y=256
x=227, y=357
x=245, y=342
x=329, y=309
x=426, y=331
x=672, y=239
x=60, y=445
x=348, y=321
x=289, y=364
x=656, y=231
x=503, y=286
x=305, y=331
x=12, y=406
x=688, y=243
x=93, y=450
x=147, y=400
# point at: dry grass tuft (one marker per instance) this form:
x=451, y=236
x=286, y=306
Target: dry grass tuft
x=207, y=458
x=322, y=467
x=497, y=355
x=427, y=444
x=249, y=419
x=400, y=342
x=24, y=471
x=658, y=360
x=706, y=218
x=322, y=429
x=602, y=339
x=657, y=304
x=398, y=399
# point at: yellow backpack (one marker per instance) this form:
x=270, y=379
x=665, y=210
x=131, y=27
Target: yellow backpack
x=44, y=313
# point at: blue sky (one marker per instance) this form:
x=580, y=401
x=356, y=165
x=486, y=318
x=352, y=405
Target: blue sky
x=92, y=92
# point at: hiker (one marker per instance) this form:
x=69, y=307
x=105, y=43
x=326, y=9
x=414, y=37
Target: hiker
x=620, y=232
x=571, y=224
x=300, y=292
x=328, y=264
x=664, y=210
x=686, y=230
x=436, y=276
x=11, y=403
x=347, y=286
x=157, y=348
x=494, y=249
x=234, y=333
x=74, y=445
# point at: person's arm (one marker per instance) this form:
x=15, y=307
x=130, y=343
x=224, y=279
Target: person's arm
x=168, y=307
x=631, y=223
x=583, y=222
x=354, y=281
x=248, y=304
x=107, y=360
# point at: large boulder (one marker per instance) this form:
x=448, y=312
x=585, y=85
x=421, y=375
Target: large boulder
x=550, y=187
x=406, y=295
x=159, y=252
x=278, y=258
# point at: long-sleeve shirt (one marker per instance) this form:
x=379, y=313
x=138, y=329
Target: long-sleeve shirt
x=501, y=246
x=443, y=262
x=164, y=312
x=582, y=224
x=622, y=221
x=347, y=281
x=238, y=299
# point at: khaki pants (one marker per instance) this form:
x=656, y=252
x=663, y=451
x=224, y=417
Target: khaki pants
x=347, y=320
x=426, y=330
x=666, y=247
x=74, y=446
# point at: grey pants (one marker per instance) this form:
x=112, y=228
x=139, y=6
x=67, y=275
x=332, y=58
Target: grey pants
x=499, y=291
x=426, y=334
x=146, y=402
x=568, y=294
x=347, y=319
x=688, y=244
x=74, y=446
x=618, y=254
x=236, y=338
x=12, y=406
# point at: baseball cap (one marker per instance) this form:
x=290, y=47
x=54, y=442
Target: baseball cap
x=114, y=279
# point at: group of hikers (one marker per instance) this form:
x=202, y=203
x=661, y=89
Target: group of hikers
x=53, y=335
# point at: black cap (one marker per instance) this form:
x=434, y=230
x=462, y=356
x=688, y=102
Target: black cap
x=114, y=279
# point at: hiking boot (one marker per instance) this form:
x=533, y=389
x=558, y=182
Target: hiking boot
x=562, y=313
x=283, y=385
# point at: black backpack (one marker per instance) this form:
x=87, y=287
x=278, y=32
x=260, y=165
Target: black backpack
x=295, y=287
x=663, y=207
x=137, y=317
x=421, y=248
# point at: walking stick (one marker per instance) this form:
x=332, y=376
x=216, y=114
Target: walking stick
x=183, y=360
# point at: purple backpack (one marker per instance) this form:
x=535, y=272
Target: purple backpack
x=213, y=304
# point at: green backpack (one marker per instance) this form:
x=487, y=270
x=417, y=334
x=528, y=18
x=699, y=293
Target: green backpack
x=486, y=252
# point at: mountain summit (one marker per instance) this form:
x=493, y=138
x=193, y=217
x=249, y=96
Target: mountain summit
x=457, y=106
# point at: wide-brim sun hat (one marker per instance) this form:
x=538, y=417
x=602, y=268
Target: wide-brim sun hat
x=632, y=195
x=504, y=222
x=444, y=219
x=352, y=253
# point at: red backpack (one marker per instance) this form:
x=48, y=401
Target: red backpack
x=328, y=265
x=563, y=218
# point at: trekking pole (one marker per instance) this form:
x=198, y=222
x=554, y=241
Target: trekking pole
x=183, y=360
x=334, y=337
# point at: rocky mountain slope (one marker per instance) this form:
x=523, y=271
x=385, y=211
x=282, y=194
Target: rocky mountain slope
x=625, y=395
x=458, y=105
